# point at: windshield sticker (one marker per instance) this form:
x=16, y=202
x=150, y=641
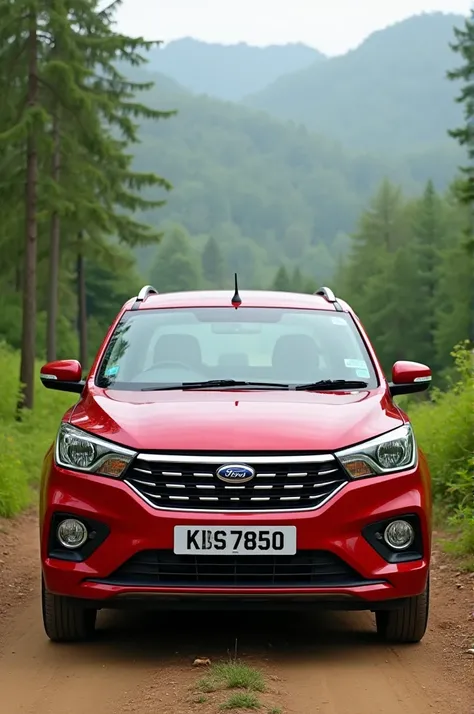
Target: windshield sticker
x=112, y=371
x=363, y=373
x=355, y=364
x=338, y=321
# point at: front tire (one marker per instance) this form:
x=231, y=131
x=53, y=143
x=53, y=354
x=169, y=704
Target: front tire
x=64, y=620
x=407, y=624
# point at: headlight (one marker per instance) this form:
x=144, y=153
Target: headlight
x=78, y=450
x=395, y=451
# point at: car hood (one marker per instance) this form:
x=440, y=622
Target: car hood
x=236, y=421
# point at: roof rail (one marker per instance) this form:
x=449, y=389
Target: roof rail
x=328, y=294
x=145, y=292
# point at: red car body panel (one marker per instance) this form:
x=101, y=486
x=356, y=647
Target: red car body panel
x=136, y=526
x=236, y=421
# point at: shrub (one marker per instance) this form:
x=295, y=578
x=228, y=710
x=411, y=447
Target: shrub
x=24, y=444
x=444, y=428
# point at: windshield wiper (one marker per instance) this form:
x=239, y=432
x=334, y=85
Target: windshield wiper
x=329, y=384
x=216, y=384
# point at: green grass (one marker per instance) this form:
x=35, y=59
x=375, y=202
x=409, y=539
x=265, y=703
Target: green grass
x=23, y=445
x=201, y=699
x=444, y=428
x=241, y=700
x=232, y=675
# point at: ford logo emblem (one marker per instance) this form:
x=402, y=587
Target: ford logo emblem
x=235, y=473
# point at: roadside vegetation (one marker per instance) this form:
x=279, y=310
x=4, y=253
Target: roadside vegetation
x=444, y=428
x=236, y=686
x=24, y=443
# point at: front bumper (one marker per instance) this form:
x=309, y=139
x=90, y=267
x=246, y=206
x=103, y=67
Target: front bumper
x=133, y=526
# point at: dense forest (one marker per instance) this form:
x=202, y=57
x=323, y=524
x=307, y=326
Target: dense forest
x=285, y=207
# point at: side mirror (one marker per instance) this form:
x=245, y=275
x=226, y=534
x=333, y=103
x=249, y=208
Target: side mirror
x=409, y=378
x=63, y=375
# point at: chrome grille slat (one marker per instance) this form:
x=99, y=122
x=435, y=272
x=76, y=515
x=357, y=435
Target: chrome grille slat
x=275, y=479
x=145, y=483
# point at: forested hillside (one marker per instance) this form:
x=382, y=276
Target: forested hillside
x=268, y=191
x=229, y=71
x=391, y=92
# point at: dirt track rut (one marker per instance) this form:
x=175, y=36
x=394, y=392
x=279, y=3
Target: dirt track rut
x=141, y=664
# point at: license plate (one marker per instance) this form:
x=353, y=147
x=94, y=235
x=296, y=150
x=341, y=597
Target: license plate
x=251, y=540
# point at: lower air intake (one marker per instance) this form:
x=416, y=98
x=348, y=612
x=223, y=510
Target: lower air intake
x=161, y=568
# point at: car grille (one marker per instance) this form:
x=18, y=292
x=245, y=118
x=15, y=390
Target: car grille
x=284, y=484
x=154, y=568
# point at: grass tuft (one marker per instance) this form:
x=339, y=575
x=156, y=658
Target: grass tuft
x=241, y=700
x=232, y=675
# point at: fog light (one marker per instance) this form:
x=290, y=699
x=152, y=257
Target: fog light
x=399, y=535
x=72, y=533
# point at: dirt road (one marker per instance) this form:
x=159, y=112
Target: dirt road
x=328, y=664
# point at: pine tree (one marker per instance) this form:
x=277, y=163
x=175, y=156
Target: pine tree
x=428, y=233
x=176, y=265
x=381, y=231
x=74, y=129
x=298, y=283
x=282, y=280
x=464, y=47
x=22, y=123
x=213, y=264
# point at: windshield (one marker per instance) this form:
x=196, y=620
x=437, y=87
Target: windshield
x=153, y=348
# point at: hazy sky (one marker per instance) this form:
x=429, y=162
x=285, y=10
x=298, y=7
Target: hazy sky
x=333, y=26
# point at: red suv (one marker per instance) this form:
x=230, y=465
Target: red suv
x=231, y=452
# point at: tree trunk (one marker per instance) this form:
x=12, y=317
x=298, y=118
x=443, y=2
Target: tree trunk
x=28, y=341
x=54, y=250
x=18, y=267
x=81, y=303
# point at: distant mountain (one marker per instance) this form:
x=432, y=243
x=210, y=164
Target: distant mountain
x=229, y=71
x=268, y=191
x=391, y=93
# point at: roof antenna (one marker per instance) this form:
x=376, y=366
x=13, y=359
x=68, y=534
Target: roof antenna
x=236, y=300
